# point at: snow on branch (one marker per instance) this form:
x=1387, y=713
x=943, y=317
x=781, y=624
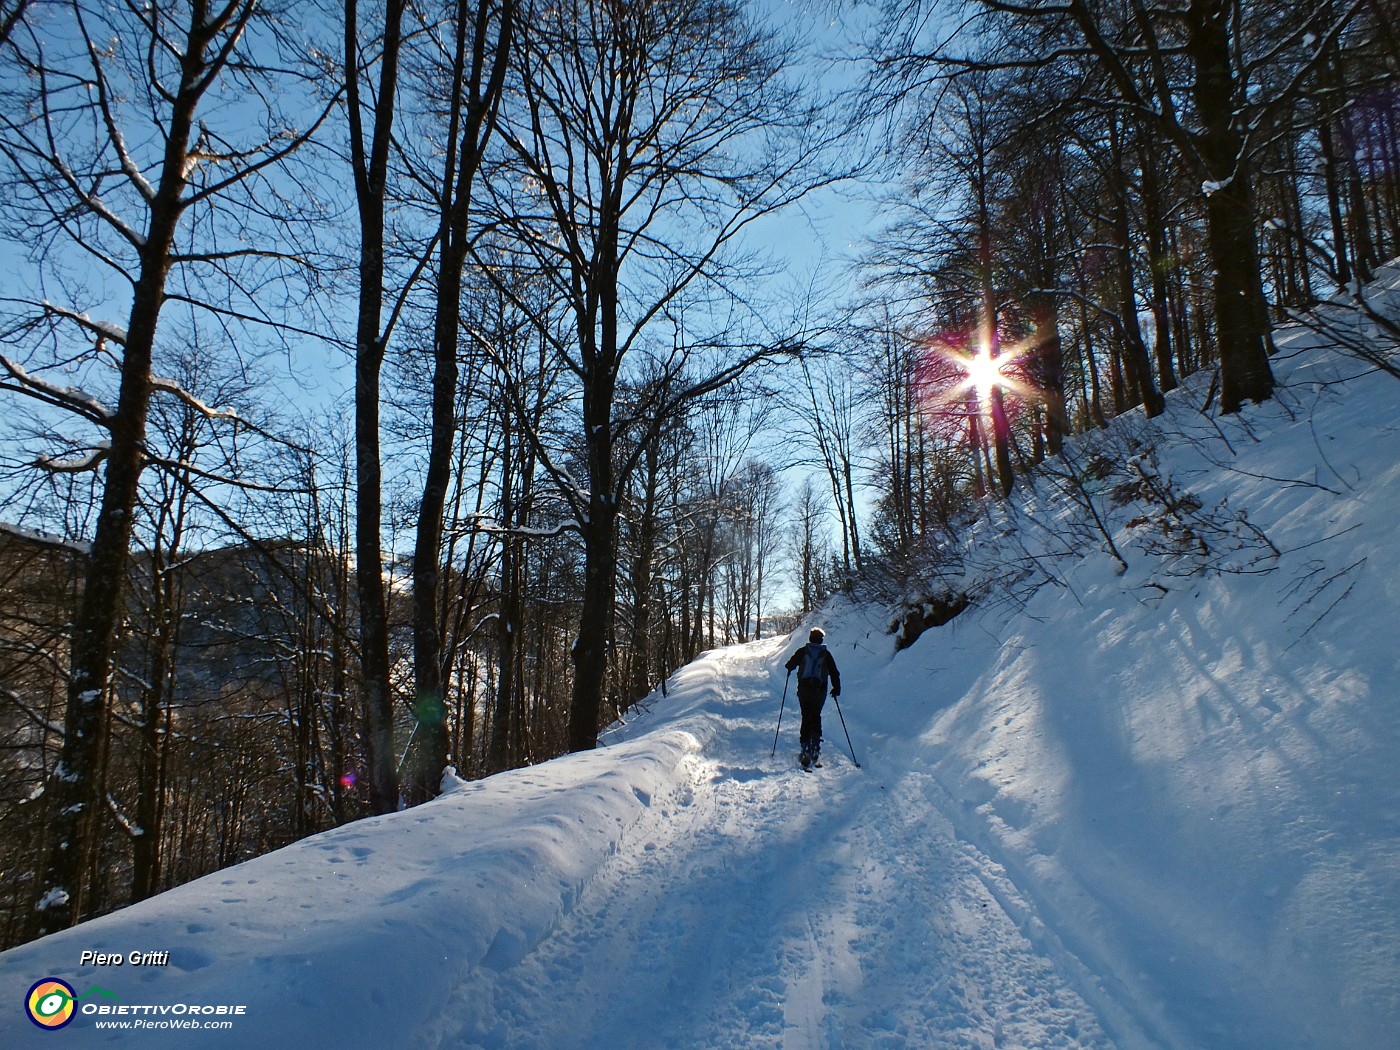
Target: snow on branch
x=127, y=824
x=93, y=202
x=166, y=385
x=75, y=464
x=488, y=524
x=102, y=329
x=170, y=386
x=74, y=399
x=114, y=133
x=54, y=897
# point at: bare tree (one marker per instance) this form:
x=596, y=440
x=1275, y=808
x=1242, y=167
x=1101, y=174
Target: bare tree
x=644, y=137
x=369, y=158
x=809, y=545
x=107, y=154
x=40, y=581
x=832, y=423
x=753, y=504
x=481, y=43
x=10, y=14
x=1212, y=79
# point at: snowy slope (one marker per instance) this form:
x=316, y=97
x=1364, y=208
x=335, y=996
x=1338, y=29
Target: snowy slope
x=1194, y=777
x=1152, y=808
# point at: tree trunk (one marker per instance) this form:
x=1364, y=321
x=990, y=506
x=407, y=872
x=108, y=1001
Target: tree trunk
x=1241, y=313
x=371, y=170
x=638, y=683
x=473, y=107
x=430, y=701
x=590, y=656
x=1157, y=261
x=1094, y=405
x=1135, y=359
x=991, y=341
x=1241, y=323
x=599, y=351
x=73, y=787
x=508, y=620
x=1050, y=367
x=153, y=735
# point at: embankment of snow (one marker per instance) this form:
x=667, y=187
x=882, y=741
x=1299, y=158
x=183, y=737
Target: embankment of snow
x=360, y=934
x=1190, y=764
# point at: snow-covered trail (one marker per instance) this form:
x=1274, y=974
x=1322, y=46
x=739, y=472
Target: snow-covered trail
x=759, y=906
x=679, y=887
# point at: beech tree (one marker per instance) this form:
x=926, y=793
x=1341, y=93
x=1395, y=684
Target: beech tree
x=475, y=71
x=1212, y=132
x=643, y=137
x=1213, y=81
x=369, y=160
x=127, y=129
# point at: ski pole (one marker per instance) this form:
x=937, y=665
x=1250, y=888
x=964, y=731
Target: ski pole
x=844, y=730
x=780, y=715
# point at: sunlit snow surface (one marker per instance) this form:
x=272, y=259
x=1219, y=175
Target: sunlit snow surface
x=1148, y=810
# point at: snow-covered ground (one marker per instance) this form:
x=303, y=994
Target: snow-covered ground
x=1152, y=808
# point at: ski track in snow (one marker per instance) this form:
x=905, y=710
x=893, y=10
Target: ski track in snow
x=848, y=916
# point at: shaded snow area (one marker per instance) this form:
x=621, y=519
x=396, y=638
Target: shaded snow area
x=1152, y=807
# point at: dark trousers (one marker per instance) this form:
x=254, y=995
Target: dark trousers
x=811, y=696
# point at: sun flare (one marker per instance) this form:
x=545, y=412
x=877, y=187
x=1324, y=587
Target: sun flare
x=960, y=373
x=983, y=372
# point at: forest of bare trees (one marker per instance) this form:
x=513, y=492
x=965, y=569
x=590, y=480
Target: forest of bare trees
x=582, y=437
x=1094, y=201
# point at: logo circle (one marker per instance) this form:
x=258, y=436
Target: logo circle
x=50, y=1003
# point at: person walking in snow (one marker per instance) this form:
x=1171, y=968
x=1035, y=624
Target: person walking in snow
x=814, y=665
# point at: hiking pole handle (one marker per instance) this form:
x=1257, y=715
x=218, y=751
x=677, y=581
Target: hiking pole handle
x=780, y=714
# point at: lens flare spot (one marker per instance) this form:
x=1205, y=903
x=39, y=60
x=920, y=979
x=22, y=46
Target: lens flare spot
x=951, y=368
x=982, y=372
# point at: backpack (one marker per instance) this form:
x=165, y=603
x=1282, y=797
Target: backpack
x=813, y=665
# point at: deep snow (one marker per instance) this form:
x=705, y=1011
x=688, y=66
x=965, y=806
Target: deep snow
x=1149, y=808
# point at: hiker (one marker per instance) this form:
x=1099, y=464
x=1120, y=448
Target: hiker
x=814, y=665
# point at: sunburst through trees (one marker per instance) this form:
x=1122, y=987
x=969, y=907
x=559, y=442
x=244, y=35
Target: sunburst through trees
x=969, y=383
